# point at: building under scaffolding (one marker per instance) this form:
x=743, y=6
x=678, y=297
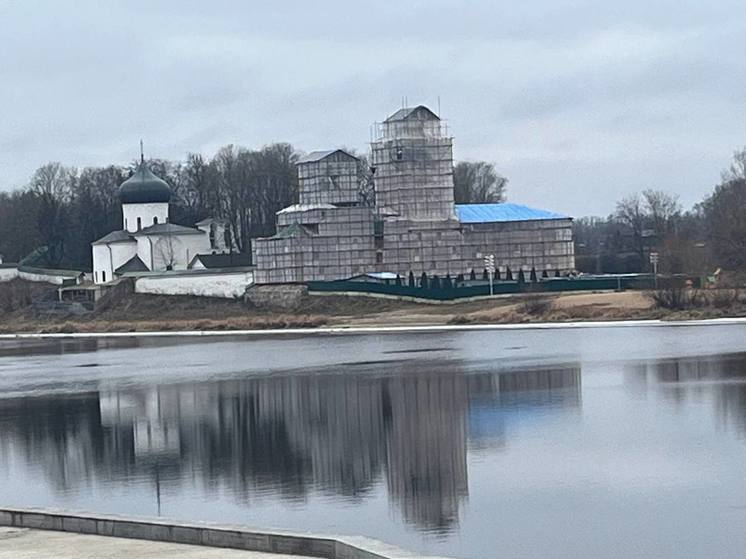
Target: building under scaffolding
x=401, y=216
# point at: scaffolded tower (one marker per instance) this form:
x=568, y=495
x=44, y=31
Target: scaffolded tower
x=413, y=161
x=329, y=177
x=329, y=234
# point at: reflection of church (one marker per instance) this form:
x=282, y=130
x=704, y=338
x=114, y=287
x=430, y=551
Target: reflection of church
x=288, y=435
x=149, y=242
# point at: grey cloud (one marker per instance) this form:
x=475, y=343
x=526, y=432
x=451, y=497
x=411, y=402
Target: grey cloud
x=567, y=97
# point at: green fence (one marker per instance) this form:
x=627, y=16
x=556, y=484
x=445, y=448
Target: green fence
x=471, y=288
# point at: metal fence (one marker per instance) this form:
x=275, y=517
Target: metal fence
x=447, y=290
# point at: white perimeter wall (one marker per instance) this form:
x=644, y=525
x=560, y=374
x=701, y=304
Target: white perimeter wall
x=227, y=285
x=42, y=278
x=7, y=274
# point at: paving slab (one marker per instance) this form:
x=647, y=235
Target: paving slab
x=25, y=543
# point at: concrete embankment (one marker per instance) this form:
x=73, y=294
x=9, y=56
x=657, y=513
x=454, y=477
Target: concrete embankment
x=204, y=534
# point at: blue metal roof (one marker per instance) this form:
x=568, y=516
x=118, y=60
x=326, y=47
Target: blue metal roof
x=489, y=213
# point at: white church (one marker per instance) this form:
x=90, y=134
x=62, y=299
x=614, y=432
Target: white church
x=149, y=242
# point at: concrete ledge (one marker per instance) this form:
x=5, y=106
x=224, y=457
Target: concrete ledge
x=206, y=534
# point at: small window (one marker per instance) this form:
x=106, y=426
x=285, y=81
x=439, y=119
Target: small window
x=103, y=277
x=155, y=220
x=125, y=223
x=95, y=277
x=379, y=257
x=139, y=223
x=213, y=234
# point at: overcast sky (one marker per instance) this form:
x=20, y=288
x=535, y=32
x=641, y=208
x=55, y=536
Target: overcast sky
x=578, y=102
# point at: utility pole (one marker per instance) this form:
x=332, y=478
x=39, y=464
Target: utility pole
x=489, y=265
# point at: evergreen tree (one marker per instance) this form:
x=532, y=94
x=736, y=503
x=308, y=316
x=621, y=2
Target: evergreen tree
x=447, y=282
x=557, y=273
x=435, y=283
x=545, y=274
x=486, y=275
x=497, y=274
x=411, y=279
x=533, y=276
x=521, y=276
x=398, y=280
x=473, y=275
x=508, y=274
x=423, y=281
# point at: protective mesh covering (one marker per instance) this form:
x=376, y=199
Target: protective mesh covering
x=407, y=222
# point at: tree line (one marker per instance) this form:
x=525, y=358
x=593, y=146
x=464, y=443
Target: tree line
x=63, y=209
x=710, y=235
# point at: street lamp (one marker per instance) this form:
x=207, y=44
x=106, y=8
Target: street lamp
x=654, y=258
x=489, y=264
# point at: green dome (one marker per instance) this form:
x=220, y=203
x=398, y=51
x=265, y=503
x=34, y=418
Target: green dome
x=143, y=187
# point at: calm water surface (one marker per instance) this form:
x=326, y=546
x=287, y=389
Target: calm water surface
x=613, y=442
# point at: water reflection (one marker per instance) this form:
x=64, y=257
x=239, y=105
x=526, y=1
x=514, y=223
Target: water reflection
x=682, y=380
x=287, y=436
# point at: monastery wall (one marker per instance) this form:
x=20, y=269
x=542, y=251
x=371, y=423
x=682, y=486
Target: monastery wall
x=8, y=273
x=224, y=284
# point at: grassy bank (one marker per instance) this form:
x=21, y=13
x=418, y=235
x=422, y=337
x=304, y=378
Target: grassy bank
x=124, y=311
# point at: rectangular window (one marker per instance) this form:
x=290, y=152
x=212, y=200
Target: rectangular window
x=103, y=277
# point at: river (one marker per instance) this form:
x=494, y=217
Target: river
x=588, y=442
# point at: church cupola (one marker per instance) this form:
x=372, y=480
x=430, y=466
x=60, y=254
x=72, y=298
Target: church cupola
x=144, y=198
x=143, y=187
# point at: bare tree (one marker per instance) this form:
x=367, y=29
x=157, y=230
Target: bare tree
x=662, y=210
x=737, y=169
x=478, y=183
x=52, y=184
x=630, y=211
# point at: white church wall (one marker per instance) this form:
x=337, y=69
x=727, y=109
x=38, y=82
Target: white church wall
x=146, y=213
x=109, y=257
x=7, y=274
x=227, y=285
x=177, y=251
x=102, y=264
x=145, y=249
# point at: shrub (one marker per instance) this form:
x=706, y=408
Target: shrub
x=536, y=305
x=676, y=298
x=722, y=298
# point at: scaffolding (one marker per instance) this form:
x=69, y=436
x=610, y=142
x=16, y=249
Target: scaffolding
x=398, y=216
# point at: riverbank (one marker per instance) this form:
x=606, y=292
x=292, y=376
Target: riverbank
x=44, y=533
x=130, y=312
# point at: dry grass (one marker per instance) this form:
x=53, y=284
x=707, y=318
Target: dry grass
x=124, y=311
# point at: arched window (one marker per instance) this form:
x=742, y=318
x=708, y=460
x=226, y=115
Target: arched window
x=139, y=223
x=155, y=220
